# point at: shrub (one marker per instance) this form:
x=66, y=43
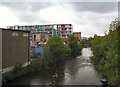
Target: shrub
x=17, y=68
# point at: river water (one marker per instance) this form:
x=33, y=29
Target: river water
x=78, y=71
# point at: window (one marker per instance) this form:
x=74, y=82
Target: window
x=25, y=34
x=77, y=38
x=34, y=37
x=14, y=34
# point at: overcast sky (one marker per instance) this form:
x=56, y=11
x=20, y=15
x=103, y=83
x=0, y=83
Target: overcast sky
x=89, y=18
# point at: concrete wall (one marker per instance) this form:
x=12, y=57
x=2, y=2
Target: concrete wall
x=15, y=49
x=37, y=37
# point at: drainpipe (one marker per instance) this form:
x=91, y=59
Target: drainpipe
x=1, y=70
x=29, y=48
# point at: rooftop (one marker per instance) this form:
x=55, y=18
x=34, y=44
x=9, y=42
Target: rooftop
x=14, y=30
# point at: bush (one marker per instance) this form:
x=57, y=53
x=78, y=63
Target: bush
x=68, y=53
x=8, y=76
x=33, y=57
x=17, y=68
x=73, y=44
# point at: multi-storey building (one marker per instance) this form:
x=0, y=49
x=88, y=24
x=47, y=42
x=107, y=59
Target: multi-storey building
x=36, y=28
x=64, y=30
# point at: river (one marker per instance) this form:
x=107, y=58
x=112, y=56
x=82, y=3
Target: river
x=78, y=71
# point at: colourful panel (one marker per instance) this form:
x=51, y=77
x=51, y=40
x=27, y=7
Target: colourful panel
x=58, y=33
x=34, y=27
x=38, y=28
x=42, y=27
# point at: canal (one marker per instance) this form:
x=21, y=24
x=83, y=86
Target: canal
x=78, y=71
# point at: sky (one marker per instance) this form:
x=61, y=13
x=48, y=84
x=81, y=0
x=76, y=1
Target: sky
x=89, y=18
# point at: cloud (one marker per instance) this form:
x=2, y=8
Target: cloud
x=7, y=17
x=24, y=6
x=89, y=18
x=99, y=7
x=57, y=14
x=90, y=23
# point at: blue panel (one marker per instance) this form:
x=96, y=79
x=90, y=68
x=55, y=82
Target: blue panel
x=37, y=50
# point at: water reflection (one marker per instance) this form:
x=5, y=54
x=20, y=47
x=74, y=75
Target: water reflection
x=56, y=75
x=84, y=72
x=78, y=71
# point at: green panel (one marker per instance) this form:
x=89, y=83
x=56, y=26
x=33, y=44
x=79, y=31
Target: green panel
x=42, y=27
x=38, y=28
x=34, y=27
x=58, y=33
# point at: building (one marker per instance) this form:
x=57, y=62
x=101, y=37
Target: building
x=15, y=48
x=36, y=28
x=78, y=35
x=41, y=37
x=64, y=30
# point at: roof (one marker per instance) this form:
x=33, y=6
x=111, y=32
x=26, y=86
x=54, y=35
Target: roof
x=41, y=25
x=15, y=30
x=77, y=32
x=39, y=32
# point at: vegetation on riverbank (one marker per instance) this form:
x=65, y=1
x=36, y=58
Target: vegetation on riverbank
x=56, y=51
x=19, y=71
x=105, y=53
x=74, y=46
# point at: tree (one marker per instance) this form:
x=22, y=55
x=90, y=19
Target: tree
x=73, y=44
x=105, y=51
x=55, y=51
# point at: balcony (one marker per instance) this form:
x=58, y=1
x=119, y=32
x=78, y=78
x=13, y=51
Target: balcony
x=64, y=34
x=67, y=26
x=48, y=26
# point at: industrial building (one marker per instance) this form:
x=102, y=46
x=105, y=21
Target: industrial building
x=14, y=47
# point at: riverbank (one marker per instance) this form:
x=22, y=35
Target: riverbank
x=19, y=71
x=105, y=55
x=77, y=71
x=30, y=70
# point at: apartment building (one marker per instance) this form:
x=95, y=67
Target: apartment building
x=64, y=30
x=36, y=28
x=36, y=31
